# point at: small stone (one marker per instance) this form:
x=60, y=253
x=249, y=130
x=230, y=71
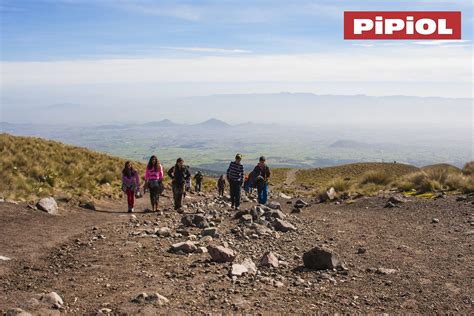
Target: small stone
x=3, y=258
x=269, y=260
x=274, y=205
x=435, y=221
x=163, y=232
x=53, y=299
x=300, y=203
x=320, y=259
x=186, y=247
x=220, y=253
x=385, y=271
x=210, y=231
x=17, y=312
x=201, y=250
x=155, y=298
x=48, y=205
x=283, y=226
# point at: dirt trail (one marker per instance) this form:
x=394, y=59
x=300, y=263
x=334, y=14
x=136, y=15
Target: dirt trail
x=97, y=260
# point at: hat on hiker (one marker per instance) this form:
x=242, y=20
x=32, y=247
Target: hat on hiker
x=262, y=158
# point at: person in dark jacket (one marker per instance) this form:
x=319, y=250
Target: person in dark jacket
x=179, y=173
x=221, y=185
x=235, y=176
x=261, y=174
x=198, y=179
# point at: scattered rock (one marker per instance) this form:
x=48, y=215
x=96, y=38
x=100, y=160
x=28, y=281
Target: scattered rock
x=17, y=312
x=269, y=260
x=320, y=259
x=53, y=300
x=154, y=298
x=89, y=205
x=390, y=205
x=210, y=231
x=220, y=253
x=331, y=193
x=283, y=226
x=246, y=267
x=201, y=250
x=163, y=232
x=361, y=250
x=435, y=221
x=48, y=205
x=3, y=258
x=296, y=210
x=284, y=196
x=396, y=200
x=186, y=247
x=300, y=203
x=385, y=271
x=274, y=205
x=246, y=218
x=238, y=269
x=275, y=214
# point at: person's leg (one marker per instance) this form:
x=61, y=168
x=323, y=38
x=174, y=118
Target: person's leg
x=265, y=194
x=232, y=193
x=237, y=194
x=179, y=189
x=153, y=198
x=130, y=199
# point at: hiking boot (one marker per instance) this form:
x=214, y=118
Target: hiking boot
x=237, y=208
x=130, y=210
x=180, y=210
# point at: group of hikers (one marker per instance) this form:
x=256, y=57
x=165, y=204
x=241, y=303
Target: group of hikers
x=181, y=182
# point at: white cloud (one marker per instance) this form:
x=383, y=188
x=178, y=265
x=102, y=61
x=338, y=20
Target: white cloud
x=208, y=50
x=441, y=42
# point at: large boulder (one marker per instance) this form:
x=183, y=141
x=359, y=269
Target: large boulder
x=320, y=259
x=220, y=253
x=283, y=226
x=48, y=205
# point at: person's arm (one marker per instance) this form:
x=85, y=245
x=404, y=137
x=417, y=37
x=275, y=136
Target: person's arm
x=147, y=175
x=137, y=181
x=268, y=173
x=171, y=172
x=160, y=173
x=187, y=174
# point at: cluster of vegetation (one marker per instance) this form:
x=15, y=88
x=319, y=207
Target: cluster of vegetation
x=370, y=178
x=34, y=168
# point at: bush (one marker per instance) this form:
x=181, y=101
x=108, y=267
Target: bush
x=339, y=184
x=376, y=177
x=468, y=169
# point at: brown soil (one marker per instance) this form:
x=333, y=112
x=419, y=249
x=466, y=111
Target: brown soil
x=68, y=254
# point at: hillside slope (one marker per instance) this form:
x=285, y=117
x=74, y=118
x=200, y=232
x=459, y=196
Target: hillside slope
x=34, y=167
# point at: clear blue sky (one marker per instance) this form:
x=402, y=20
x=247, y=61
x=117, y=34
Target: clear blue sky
x=46, y=30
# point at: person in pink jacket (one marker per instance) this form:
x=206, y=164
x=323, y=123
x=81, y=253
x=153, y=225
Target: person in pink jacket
x=154, y=181
x=130, y=184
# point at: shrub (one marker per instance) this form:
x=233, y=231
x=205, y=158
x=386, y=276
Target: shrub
x=468, y=169
x=339, y=184
x=376, y=177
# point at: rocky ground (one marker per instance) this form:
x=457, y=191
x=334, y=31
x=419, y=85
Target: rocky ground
x=414, y=256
